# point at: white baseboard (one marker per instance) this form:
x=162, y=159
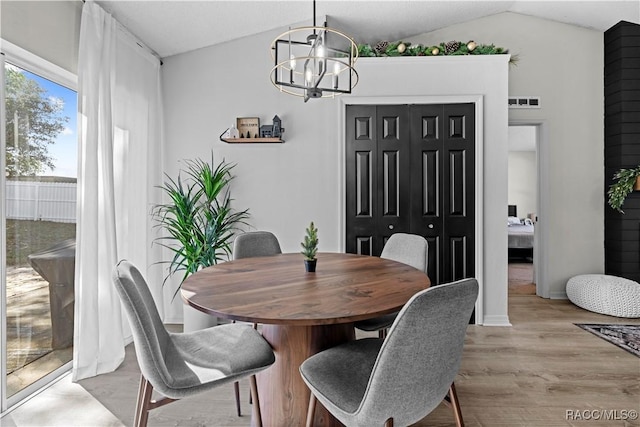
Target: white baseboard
x=496, y=320
x=558, y=295
x=173, y=320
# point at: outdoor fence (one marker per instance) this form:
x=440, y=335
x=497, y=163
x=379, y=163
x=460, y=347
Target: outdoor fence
x=41, y=201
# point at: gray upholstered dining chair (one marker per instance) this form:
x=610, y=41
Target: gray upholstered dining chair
x=398, y=380
x=179, y=365
x=255, y=243
x=248, y=245
x=410, y=249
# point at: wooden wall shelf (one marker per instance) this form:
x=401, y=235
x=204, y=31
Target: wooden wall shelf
x=252, y=140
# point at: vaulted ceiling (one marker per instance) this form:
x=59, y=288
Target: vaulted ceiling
x=171, y=27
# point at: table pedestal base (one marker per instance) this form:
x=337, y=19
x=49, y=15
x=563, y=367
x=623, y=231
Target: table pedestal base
x=284, y=397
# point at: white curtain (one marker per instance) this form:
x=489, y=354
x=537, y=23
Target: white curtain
x=120, y=148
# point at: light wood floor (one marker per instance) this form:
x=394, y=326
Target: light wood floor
x=520, y=275
x=529, y=374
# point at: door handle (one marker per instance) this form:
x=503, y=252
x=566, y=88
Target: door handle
x=390, y=226
x=430, y=225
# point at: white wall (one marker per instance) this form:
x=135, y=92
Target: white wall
x=287, y=185
x=563, y=64
x=49, y=29
x=522, y=181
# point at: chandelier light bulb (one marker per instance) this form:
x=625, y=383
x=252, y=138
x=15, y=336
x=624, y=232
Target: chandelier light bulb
x=308, y=76
x=292, y=64
x=336, y=71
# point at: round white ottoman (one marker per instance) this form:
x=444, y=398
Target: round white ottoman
x=600, y=293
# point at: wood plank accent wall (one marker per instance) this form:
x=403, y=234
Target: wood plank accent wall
x=622, y=145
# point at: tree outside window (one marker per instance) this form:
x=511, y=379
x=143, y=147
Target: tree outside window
x=33, y=122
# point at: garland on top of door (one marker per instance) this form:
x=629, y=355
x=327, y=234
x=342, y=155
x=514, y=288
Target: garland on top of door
x=453, y=47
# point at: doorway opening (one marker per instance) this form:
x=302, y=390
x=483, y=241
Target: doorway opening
x=522, y=209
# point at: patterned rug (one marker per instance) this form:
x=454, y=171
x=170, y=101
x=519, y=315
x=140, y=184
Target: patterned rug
x=626, y=337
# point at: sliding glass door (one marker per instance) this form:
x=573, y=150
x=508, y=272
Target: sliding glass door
x=39, y=149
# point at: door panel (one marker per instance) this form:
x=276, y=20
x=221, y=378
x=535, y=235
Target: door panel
x=430, y=189
x=457, y=127
x=458, y=258
x=459, y=179
x=427, y=176
x=390, y=180
x=457, y=183
x=377, y=153
x=364, y=245
x=364, y=127
x=434, y=259
x=393, y=153
x=361, y=184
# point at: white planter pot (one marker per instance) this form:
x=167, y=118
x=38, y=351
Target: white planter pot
x=195, y=320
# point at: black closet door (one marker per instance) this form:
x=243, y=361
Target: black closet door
x=412, y=169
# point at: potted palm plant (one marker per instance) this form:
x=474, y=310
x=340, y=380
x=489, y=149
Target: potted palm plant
x=198, y=220
x=310, y=248
x=625, y=181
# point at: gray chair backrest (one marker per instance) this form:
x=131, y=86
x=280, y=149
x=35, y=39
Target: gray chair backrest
x=151, y=339
x=254, y=244
x=421, y=355
x=409, y=249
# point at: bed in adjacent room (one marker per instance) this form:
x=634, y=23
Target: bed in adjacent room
x=520, y=232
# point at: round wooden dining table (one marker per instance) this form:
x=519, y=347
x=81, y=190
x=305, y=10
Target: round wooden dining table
x=301, y=313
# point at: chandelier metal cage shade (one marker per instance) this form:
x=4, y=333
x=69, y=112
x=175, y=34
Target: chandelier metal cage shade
x=314, y=62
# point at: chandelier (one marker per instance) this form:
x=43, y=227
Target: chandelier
x=314, y=62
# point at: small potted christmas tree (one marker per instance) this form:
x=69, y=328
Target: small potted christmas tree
x=310, y=248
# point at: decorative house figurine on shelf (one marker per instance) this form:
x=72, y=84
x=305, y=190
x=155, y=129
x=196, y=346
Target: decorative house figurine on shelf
x=274, y=130
x=265, y=131
x=233, y=132
x=277, y=127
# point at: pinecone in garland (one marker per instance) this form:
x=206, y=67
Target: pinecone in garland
x=451, y=47
x=381, y=47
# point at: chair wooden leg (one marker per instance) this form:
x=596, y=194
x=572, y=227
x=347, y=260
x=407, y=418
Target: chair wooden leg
x=146, y=404
x=455, y=405
x=255, y=326
x=142, y=406
x=382, y=333
x=311, y=411
x=388, y=423
x=256, y=402
x=236, y=389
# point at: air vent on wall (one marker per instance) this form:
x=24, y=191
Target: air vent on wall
x=524, y=102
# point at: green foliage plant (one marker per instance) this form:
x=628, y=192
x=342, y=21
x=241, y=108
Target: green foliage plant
x=310, y=243
x=391, y=50
x=624, y=180
x=198, y=219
